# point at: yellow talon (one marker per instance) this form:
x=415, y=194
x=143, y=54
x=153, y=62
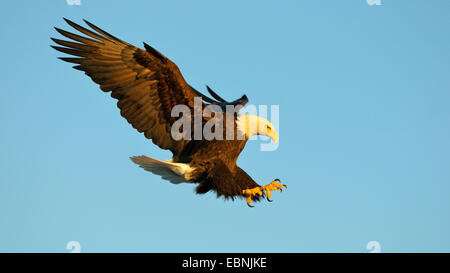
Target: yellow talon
x=253, y=191
x=273, y=186
x=250, y=193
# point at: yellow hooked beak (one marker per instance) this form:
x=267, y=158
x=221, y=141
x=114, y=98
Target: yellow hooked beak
x=274, y=136
x=267, y=129
x=254, y=125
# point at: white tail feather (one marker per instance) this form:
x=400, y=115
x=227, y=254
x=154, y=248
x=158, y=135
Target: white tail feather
x=176, y=173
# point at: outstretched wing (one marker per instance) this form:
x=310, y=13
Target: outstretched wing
x=146, y=84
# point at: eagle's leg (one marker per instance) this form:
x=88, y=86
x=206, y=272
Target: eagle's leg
x=263, y=190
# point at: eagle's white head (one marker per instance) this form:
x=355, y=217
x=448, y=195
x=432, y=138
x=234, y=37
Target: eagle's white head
x=250, y=125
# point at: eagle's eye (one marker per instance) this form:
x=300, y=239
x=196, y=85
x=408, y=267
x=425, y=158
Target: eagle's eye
x=268, y=128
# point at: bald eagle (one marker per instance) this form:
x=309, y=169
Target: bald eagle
x=148, y=86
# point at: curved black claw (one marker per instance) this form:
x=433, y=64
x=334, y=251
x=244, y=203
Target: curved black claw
x=250, y=206
x=284, y=185
x=269, y=199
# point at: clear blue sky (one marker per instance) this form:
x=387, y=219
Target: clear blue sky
x=364, y=96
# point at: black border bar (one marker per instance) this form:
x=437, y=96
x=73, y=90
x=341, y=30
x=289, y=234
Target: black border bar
x=223, y=262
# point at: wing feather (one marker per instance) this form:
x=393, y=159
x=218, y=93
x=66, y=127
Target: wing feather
x=146, y=84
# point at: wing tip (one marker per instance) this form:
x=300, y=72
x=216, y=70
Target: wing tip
x=154, y=52
x=86, y=21
x=68, y=21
